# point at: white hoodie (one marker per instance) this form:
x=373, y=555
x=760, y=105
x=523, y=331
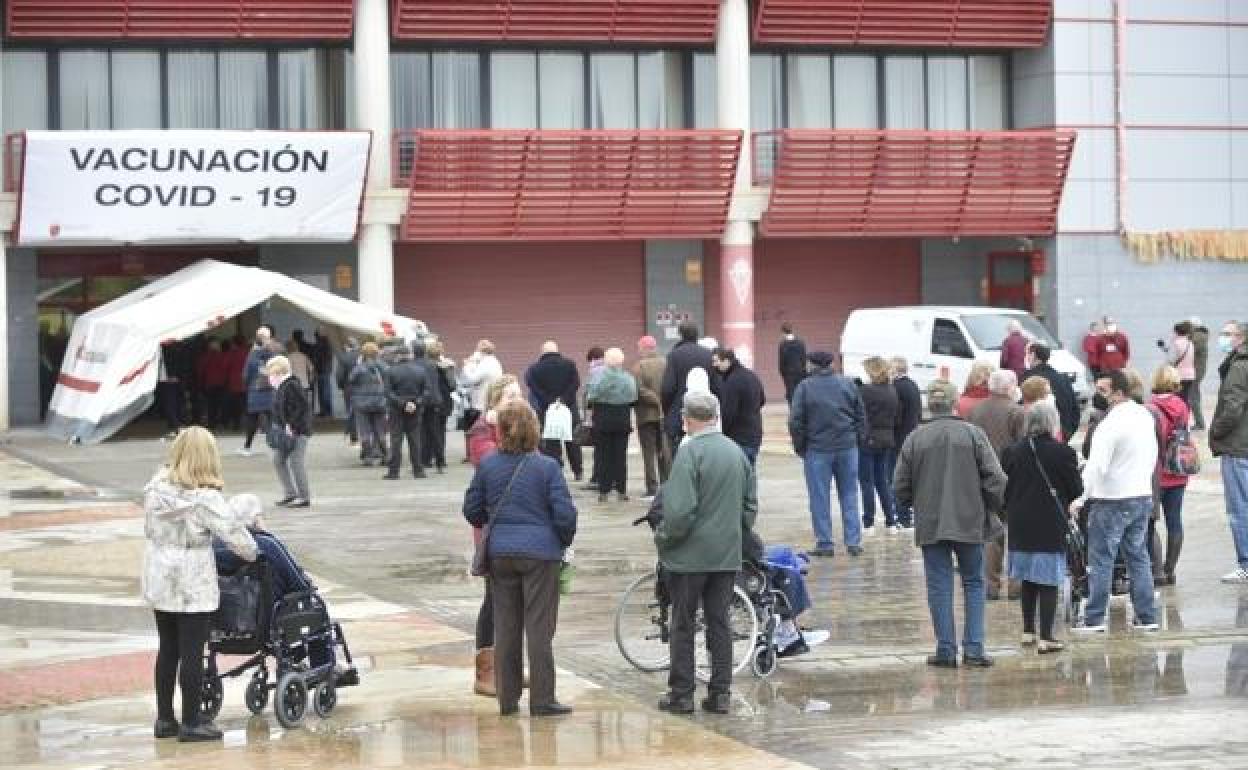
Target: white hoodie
x=179, y=572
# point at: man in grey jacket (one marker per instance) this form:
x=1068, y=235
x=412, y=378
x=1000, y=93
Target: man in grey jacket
x=950, y=475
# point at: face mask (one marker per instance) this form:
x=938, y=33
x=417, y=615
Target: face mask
x=1099, y=401
x=1050, y=399
x=1111, y=329
x=275, y=381
x=1225, y=344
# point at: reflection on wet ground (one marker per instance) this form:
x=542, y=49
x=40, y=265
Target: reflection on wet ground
x=76, y=645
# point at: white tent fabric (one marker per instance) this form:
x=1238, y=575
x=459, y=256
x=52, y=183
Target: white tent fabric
x=112, y=362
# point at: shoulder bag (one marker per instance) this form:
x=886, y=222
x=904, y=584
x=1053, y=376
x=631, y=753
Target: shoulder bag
x=1076, y=549
x=481, y=553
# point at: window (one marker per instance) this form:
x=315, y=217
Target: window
x=84, y=90
x=766, y=92
x=810, y=91
x=192, y=89
x=947, y=97
x=135, y=89
x=301, y=83
x=660, y=90
x=856, y=91
x=242, y=89
x=612, y=90
x=705, y=93
x=903, y=92
x=513, y=89
x=439, y=90
x=561, y=90
x=947, y=340
x=988, y=93
x=25, y=90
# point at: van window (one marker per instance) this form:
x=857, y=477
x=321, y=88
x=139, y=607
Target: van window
x=990, y=329
x=947, y=340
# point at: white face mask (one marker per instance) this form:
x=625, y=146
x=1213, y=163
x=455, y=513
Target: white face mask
x=275, y=380
x=1111, y=329
x=1049, y=399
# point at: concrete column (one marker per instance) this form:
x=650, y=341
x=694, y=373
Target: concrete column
x=372, y=108
x=736, y=260
x=4, y=339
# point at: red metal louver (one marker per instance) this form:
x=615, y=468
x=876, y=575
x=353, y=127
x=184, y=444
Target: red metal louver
x=566, y=185
x=916, y=183
x=943, y=23
x=180, y=19
x=638, y=21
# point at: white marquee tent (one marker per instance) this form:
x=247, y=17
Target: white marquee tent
x=112, y=362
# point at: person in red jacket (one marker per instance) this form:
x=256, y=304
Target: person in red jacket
x=1113, y=350
x=1171, y=412
x=1014, y=350
x=212, y=373
x=1091, y=349
x=235, y=387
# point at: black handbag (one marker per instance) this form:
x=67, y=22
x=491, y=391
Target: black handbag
x=468, y=418
x=1076, y=547
x=481, y=552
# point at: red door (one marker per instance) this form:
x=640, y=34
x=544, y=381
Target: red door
x=1011, y=279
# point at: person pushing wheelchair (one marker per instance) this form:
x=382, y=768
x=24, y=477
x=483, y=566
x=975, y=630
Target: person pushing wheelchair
x=709, y=502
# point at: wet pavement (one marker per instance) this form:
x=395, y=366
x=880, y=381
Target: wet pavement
x=391, y=558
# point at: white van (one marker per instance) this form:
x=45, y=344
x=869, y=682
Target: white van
x=946, y=341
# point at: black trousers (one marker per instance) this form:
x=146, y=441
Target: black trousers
x=405, y=425
x=575, y=458
x=170, y=400
x=1046, y=597
x=611, y=461
x=180, y=659
x=485, y=619
x=655, y=455
x=526, y=611
x=713, y=592
x=791, y=381
x=256, y=421
x=433, y=423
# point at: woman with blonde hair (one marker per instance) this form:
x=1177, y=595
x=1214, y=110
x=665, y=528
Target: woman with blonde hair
x=183, y=509
x=1172, y=413
x=880, y=404
x=524, y=498
x=976, y=391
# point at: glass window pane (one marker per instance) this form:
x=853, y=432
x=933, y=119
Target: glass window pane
x=810, y=91
x=301, y=89
x=513, y=89
x=705, y=95
x=409, y=90
x=903, y=92
x=612, y=90
x=988, y=95
x=243, y=95
x=946, y=93
x=136, y=89
x=855, y=91
x=25, y=90
x=192, y=91
x=766, y=92
x=561, y=90
x=661, y=89
x=84, y=90
x=456, y=93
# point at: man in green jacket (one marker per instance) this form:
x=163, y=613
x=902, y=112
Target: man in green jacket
x=1228, y=439
x=708, y=502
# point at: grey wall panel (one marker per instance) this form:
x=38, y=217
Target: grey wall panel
x=1176, y=49
x=1084, y=48
x=1088, y=204
x=1186, y=100
x=671, y=289
x=23, y=332
x=1182, y=10
x=1084, y=99
x=1083, y=9
x=1094, y=155
x=1179, y=155
x=1178, y=205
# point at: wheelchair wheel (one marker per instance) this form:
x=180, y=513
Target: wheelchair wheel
x=641, y=626
x=325, y=698
x=290, y=704
x=212, y=696
x=743, y=622
x=764, y=661
x=257, y=695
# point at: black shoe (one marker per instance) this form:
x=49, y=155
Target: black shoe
x=623, y=498
x=285, y=501
x=992, y=597
x=577, y=477
x=553, y=709
x=719, y=703
x=855, y=550
x=391, y=477
x=602, y=498
x=673, y=705
x=823, y=552
x=166, y=728
x=420, y=474
x=300, y=504
x=977, y=661
x=797, y=647
x=942, y=662
x=509, y=710
x=441, y=469
x=199, y=733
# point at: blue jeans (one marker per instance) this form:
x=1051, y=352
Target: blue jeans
x=905, y=514
x=1112, y=523
x=325, y=393
x=820, y=469
x=751, y=454
x=1172, y=507
x=938, y=568
x=875, y=477
x=1235, y=484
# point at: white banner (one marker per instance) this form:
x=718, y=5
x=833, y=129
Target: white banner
x=83, y=187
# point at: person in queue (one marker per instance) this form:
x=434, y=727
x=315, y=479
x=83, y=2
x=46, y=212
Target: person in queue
x=292, y=415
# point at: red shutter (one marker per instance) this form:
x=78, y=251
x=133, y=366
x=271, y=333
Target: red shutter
x=519, y=295
x=180, y=20
x=618, y=21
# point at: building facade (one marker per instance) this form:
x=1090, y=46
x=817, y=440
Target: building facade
x=608, y=170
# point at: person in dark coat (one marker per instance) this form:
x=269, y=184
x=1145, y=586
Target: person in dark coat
x=909, y=412
x=553, y=377
x=1059, y=384
x=322, y=355
x=347, y=358
x=1037, y=521
x=791, y=359
x=293, y=414
x=685, y=356
x=259, y=392
x=1200, y=339
x=741, y=401
x=367, y=386
x=524, y=495
x=408, y=390
x=880, y=404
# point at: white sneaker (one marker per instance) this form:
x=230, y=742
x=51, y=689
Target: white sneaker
x=1239, y=577
x=816, y=637
x=1028, y=639
x=243, y=452
x=1145, y=626
x=1084, y=628
x=894, y=529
